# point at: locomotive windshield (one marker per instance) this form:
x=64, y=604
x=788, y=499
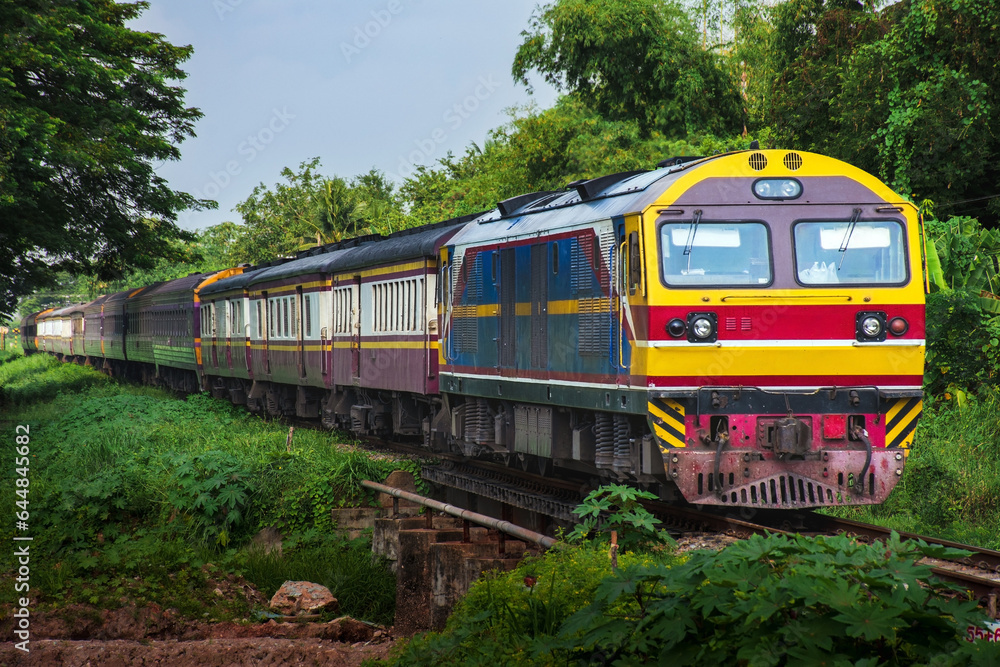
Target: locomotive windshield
x=831, y=253
x=713, y=253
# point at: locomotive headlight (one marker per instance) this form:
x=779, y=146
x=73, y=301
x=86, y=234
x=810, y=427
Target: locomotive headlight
x=777, y=188
x=702, y=327
x=871, y=327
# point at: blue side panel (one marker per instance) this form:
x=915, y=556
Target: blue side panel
x=582, y=344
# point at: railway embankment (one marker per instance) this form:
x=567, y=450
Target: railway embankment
x=143, y=504
x=136, y=497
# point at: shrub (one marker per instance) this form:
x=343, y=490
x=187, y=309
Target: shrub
x=777, y=600
x=770, y=600
x=963, y=343
x=507, y=617
x=616, y=507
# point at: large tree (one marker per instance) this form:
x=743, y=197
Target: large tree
x=88, y=108
x=910, y=92
x=640, y=60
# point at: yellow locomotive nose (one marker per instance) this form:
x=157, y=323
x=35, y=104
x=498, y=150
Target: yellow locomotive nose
x=781, y=295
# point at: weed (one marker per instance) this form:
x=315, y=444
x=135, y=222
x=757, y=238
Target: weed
x=616, y=507
x=40, y=376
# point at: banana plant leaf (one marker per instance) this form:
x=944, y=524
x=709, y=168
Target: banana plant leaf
x=934, y=269
x=990, y=303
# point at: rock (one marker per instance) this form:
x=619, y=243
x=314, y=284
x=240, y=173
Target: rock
x=297, y=598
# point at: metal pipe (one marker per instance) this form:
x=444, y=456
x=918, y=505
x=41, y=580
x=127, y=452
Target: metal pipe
x=480, y=519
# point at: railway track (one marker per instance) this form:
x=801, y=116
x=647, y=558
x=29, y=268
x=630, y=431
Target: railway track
x=978, y=572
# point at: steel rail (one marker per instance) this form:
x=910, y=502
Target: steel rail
x=981, y=558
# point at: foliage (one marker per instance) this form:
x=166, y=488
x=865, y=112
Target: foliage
x=963, y=343
x=963, y=329
x=770, y=600
x=64, y=289
x=507, y=616
x=210, y=492
x=776, y=600
x=209, y=250
x=309, y=209
x=616, y=507
x=40, y=377
x=273, y=219
x=88, y=107
x=963, y=255
x=544, y=150
x=632, y=60
x=363, y=587
x=133, y=482
x=908, y=92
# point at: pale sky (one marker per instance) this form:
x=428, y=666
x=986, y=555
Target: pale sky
x=375, y=83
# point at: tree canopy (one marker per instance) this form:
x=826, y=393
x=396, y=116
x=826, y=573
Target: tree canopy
x=88, y=107
x=308, y=209
x=640, y=60
x=910, y=93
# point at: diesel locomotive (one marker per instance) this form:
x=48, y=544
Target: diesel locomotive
x=745, y=329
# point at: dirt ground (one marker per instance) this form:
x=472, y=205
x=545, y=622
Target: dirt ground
x=85, y=637
x=220, y=652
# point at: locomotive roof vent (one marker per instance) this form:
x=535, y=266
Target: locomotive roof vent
x=792, y=161
x=509, y=206
x=758, y=161
x=590, y=188
x=678, y=160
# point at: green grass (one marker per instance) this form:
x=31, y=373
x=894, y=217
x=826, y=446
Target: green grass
x=345, y=568
x=135, y=484
x=951, y=484
x=40, y=377
x=10, y=354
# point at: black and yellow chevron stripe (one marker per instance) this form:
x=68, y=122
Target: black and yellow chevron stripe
x=667, y=417
x=900, y=422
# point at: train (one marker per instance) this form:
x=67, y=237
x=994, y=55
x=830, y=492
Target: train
x=742, y=330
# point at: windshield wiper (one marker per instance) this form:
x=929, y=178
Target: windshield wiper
x=847, y=236
x=692, y=231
